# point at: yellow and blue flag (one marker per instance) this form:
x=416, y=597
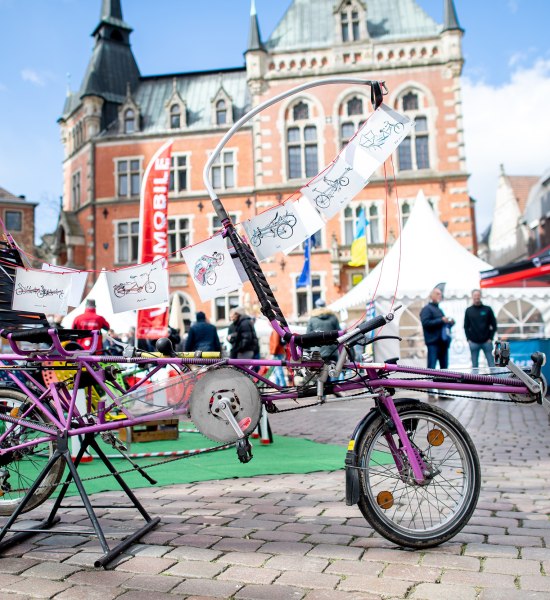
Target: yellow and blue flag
x=305, y=277
x=359, y=244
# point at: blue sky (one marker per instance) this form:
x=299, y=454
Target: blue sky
x=46, y=44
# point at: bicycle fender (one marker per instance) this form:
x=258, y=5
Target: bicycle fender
x=352, y=472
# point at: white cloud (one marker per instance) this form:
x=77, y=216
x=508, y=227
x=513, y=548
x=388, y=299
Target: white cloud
x=506, y=124
x=39, y=78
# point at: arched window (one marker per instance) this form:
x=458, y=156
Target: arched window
x=519, y=319
x=175, y=116
x=221, y=112
x=413, y=153
x=129, y=121
x=374, y=225
x=352, y=117
x=301, y=139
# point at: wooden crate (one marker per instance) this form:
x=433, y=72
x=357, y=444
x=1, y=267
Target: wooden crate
x=151, y=431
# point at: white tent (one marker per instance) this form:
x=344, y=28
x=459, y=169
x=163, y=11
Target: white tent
x=119, y=322
x=427, y=255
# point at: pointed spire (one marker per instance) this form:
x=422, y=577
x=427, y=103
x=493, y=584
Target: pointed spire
x=450, y=19
x=111, y=9
x=254, y=36
x=111, y=18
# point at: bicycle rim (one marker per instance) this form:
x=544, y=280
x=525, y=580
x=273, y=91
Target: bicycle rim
x=419, y=515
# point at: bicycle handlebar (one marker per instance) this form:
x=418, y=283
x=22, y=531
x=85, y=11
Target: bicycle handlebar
x=316, y=338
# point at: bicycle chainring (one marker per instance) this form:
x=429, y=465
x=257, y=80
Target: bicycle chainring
x=244, y=400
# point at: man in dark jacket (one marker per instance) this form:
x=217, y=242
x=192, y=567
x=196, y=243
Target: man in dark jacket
x=436, y=327
x=202, y=336
x=323, y=319
x=480, y=326
x=243, y=338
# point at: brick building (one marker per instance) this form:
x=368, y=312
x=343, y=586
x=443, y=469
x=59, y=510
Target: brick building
x=118, y=118
x=18, y=216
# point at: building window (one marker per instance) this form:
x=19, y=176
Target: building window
x=405, y=213
x=217, y=224
x=223, y=305
x=351, y=222
x=300, y=112
x=352, y=116
x=75, y=190
x=413, y=152
x=349, y=23
x=178, y=173
x=179, y=234
x=129, y=121
x=127, y=237
x=305, y=297
x=14, y=220
x=223, y=170
x=128, y=177
x=221, y=112
x=519, y=319
x=175, y=116
x=301, y=138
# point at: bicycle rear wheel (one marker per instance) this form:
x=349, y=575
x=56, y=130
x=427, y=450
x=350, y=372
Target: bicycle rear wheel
x=24, y=465
x=409, y=514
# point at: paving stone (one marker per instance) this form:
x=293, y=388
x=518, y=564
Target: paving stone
x=207, y=587
x=38, y=588
x=515, y=540
x=381, y=585
x=535, y=583
x=146, y=564
x=392, y=555
x=510, y=566
x=195, y=568
x=306, y=579
x=269, y=592
x=435, y=591
x=238, y=545
x=506, y=594
x=298, y=563
x=51, y=570
x=190, y=553
x=89, y=592
x=101, y=578
x=413, y=572
x=6, y=580
x=154, y=583
x=449, y=561
x=336, y=552
x=261, y=576
x=477, y=579
x=144, y=595
x=352, y=567
x=292, y=548
x=489, y=550
x=16, y=565
x=246, y=559
x=334, y=595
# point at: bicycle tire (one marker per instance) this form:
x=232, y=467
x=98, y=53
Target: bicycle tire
x=150, y=287
x=322, y=201
x=404, y=512
x=24, y=466
x=344, y=181
x=119, y=292
x=285, y=231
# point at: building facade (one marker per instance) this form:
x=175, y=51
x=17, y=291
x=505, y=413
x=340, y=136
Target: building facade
x=18, y=216
x=118, y=118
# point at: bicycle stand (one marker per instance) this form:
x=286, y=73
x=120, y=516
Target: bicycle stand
x=62, y=452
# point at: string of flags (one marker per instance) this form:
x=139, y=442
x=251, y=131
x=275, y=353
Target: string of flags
x=212, y=268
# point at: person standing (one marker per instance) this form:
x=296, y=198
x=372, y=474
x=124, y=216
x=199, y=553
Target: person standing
x=480, y=326
x=436, y=328
x=91, y=321
x=323, y=319
x=202, y=336
x=243, y=338
x=277, y=351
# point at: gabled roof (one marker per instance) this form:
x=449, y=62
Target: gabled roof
x=521, y=186
x=310, y=24
x=5, y=195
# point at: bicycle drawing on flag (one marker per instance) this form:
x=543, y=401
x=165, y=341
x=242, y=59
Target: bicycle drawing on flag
x=334, y=186
x=133, y=287
x=279, y=227
x=205, y=268
x=376, y=141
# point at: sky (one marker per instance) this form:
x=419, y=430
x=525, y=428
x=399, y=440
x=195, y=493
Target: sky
x=45, y=47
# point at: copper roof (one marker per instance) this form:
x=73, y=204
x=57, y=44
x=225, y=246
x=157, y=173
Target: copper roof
x=521, y=186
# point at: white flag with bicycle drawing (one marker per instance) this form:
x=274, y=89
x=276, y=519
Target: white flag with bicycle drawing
x=334, y=188
x=41, y=291
x=376, y=140
x=212, y=269
x=142, y=286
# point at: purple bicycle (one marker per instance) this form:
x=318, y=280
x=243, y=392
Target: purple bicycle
x=411, y=467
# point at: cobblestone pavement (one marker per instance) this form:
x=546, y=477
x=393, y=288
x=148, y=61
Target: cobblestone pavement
x=293, y=537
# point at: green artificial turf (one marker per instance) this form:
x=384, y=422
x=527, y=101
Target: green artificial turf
x=285, y=455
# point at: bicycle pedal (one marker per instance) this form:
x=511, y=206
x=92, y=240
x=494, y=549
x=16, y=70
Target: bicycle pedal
x=109, y=438
x=244, y=450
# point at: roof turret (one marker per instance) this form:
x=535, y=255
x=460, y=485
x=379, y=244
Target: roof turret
x=450, y=21
x=254, y=35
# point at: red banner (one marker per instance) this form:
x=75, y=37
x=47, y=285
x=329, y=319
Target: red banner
x=152, y=323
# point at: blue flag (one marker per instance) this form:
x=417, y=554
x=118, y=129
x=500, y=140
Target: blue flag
x=305, y=277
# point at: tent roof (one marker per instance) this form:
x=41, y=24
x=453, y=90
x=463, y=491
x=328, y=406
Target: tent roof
x=425, y=255
x=119, y=322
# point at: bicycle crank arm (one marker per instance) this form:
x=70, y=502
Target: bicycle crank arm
x=530, y=383
x=223, y=405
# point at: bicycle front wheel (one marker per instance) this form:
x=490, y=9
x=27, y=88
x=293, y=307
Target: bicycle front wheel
x=404, y=512
x=25, y=464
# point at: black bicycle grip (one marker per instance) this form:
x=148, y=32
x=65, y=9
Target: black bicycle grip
x=372, y=324
x=316, y=338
